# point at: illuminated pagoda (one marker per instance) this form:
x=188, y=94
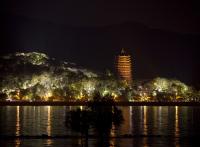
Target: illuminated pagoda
x=124, y=66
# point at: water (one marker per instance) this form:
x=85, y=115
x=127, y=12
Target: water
x=143, y=126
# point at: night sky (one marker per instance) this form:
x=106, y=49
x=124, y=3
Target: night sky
x=163, y=36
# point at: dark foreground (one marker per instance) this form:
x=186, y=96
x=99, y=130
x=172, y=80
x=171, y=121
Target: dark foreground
x=26, y=103
x=119, y=142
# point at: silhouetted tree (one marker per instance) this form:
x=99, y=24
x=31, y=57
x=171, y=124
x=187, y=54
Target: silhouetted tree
x=100, y=114
x=3, y=96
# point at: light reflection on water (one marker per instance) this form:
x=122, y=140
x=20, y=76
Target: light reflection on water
x=17, y=133
x=177, y=133
x=17, y=121
x=139, y=120
x=49, y=141
x=145, y=127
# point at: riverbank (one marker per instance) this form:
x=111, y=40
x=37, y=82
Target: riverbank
x=26, y=103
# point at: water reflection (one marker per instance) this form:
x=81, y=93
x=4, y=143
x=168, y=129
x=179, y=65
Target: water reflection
x=138, y=121
x=127, y=124
x=145, y=126
x=49, y=141
x=49, y=120
x=177, y=133
x=81, y=107
x=17, y=132
x=17, y=142
x=158, y=118
x=131, y=118
x=99, y=116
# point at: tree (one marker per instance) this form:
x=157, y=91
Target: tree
x=100, y=114
x=3, y=96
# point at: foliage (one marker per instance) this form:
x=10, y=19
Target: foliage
x=35, y=76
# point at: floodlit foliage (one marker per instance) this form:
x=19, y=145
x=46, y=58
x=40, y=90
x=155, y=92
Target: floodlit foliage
x=162, y=89
x=34, y=76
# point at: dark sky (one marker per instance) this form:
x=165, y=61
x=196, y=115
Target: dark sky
x=163, y=36
x=176, y=15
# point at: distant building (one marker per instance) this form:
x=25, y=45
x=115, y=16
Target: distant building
x=124, y=66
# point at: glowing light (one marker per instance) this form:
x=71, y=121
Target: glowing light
x=89, y=86
x=105, y=92
x=76, y=83
x=17, y=121
x=33, y=57
x=124, y=66
x=47, y=96
x=145, y=126
x=154, y=93
x=177, y=133
x=81, y=107
x=17, y=143
x=114, y=95
x=49, y=120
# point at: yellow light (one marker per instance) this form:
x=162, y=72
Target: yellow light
x=114, y=95
x=47, y=96
x=105, y=92
x=80, y=95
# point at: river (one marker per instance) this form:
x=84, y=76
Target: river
x=143, y=126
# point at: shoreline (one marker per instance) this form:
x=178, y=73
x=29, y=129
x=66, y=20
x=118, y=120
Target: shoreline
x=44, y=136
x=23, y=103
